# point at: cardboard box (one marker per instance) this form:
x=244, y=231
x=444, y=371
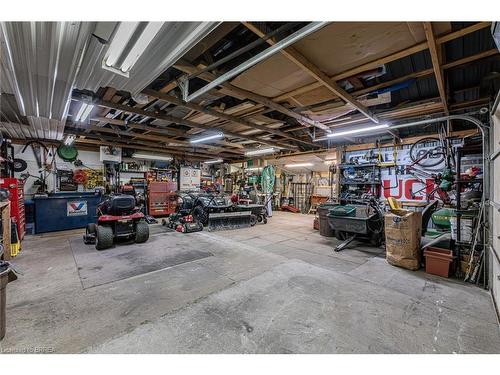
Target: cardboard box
x=403, y=230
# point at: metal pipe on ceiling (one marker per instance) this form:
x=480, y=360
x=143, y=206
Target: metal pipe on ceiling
x=296, y=36
x=244, y=49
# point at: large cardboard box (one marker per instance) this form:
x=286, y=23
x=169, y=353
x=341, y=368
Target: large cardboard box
x=403, y=230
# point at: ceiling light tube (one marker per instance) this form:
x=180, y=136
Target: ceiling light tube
x=207, y=138
x=128, y=44
x=69, y=140
x=217, y=161
x=359, y=130
x=84, y=112
x=140, y=155
x=261, y=151
x=298, y=165
x=140, y=46
x=253, y=169
x=119, y=42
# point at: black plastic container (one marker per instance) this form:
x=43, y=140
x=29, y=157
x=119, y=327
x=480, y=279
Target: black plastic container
x=324, y=228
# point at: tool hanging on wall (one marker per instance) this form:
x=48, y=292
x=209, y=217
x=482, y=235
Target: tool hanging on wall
x=36, y=146
x=20, y=165
x=67, y=153
x=80, y=177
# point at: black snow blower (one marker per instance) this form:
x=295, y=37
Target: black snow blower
x=217, y=213
x=198, y=210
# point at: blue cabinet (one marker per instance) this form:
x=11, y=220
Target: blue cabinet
x=64, y=211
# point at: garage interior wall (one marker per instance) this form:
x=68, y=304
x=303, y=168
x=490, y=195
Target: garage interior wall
x=89, y=158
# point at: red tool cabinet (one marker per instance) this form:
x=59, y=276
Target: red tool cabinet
x=16, y=189
x=162, y=199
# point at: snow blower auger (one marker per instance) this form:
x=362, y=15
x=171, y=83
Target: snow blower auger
x=214, y=212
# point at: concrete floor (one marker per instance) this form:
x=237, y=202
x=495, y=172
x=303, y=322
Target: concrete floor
x=275, y=288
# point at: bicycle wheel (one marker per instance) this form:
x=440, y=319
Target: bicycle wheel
x=428, y=156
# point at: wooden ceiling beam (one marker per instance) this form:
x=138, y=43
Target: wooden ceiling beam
x=108, y=142
x=191, y=124
x=306, y=65
x=224, y=116
x=236, y=91
x=159, y=138
x=138, y=144
x=384, y=60
x=162, y=129
x=436, y=65
x=422, y=73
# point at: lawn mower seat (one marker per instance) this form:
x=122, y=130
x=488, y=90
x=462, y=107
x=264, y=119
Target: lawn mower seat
x=119, y=205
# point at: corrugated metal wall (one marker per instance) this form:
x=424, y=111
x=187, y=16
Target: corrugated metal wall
x=42, y=62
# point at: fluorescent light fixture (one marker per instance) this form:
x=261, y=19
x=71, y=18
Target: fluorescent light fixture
x=69, y=140
x=207, y=137
x=128, y=44
x=253, y=169
x=329, y=162
x=261, y=151
x=217, y=161
x=298, y=165
x=84, y=112
x=359, y=130
x=141, y=155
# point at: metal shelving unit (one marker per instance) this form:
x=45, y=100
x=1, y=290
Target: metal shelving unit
x=362, y=185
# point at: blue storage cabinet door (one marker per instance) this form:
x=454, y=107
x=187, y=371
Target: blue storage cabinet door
x=65, y=212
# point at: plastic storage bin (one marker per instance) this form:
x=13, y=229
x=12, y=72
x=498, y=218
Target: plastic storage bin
x=438, y=261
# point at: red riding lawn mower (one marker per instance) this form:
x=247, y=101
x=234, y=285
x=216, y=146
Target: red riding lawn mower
x=118, y=217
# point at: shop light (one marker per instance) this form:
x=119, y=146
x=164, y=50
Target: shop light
x=253, y=169
x=84, y=112
x=208, y=137
x=359, y=130
x=69, y=140
x=298, y=165
x=140, y=155
x=217, y=161
x=261, y=151
x=128, y=44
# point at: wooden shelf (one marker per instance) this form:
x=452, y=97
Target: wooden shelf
x=5, y=213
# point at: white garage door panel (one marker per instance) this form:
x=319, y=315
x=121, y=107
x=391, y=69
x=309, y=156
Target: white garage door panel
x=496, y=231
x=495, y=288
x=496, y=178
x=495, y=217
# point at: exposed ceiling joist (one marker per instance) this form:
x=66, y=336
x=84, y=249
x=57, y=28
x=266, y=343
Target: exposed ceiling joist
x=224, y=116
x=110, y=141
x=137, y=144
x=300, y=60
x=436, y=65
x=206, y=76
x=422, y=73
x=164, y=130
x=188, y=123
x=384, y=60
x=160, y=138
